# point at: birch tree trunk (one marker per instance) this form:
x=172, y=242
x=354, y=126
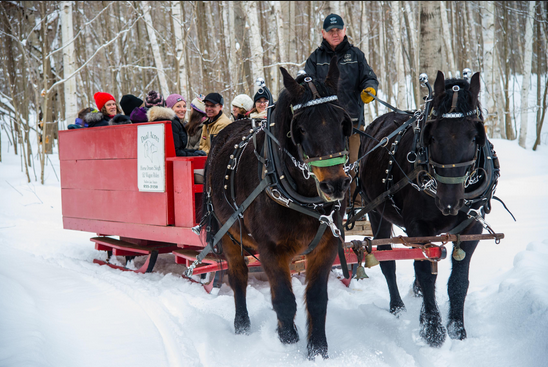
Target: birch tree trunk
x=155, y=49
x=255, y=42
x=382, y=60
x=490, y=67
x=430, y=45
x=334, y=7
x=69, y=63
x=398, y=55
x=180, y=47
x=413, y=40
x=447, y=39
x=527, y=65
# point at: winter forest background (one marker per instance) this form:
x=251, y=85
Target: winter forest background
x=56, y=55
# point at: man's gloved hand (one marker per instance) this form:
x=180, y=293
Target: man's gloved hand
x=366, y=98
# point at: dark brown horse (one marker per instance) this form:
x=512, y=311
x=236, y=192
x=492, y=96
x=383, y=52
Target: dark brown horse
x=451, y=186
x=308, y=133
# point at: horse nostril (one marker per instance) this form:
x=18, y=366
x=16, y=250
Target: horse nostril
x=327, y=187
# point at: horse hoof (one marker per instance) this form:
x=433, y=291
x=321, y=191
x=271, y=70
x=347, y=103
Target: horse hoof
x=288, y=335
x=313, y=351
x=242, y=324
x=456, y=330
x=397, y=308
x=431, y=330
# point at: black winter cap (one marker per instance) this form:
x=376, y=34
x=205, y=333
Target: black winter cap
x=260, y=94
x=332, y=21
x=129, y=102
x=215, y=98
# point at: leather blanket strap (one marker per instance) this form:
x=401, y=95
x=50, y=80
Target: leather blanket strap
x=222, y=231
x=382, y=197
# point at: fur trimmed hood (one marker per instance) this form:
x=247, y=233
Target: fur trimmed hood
x=158, y=113
x=93, y=117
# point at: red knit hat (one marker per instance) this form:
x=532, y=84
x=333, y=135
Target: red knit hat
x=101, y=98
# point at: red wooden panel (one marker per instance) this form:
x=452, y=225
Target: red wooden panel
x=183, y=199
x=118, y=206
x=179, y=235
x=184, y=189
x=108, y=142
x=100, y=174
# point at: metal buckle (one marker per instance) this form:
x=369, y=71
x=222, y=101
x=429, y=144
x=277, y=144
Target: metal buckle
x=328, y=219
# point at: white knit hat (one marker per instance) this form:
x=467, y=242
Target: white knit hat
x=243, y=101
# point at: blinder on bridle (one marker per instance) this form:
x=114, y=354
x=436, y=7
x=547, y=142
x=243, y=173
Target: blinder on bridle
x=327, y=160
x=471, y=172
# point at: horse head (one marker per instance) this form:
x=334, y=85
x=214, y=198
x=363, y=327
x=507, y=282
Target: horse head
x=453, y=136
x=316, y=130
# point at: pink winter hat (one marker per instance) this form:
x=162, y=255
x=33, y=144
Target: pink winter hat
x=173, y=99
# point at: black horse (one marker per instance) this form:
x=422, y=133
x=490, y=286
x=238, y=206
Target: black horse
x=449, y=147
x=303, y=149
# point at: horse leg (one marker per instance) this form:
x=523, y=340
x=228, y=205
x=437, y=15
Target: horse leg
x=382, y=229
x=457, y=289
x=431, y=328
x=276, y=267
x=319, y=264
x=237, y=278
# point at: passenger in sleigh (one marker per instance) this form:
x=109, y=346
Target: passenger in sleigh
x=79, y=121
x=196, y=122
x=241, y=106
x=216, y=120
x=260, y=103
x=108, y=112
x=174, y=111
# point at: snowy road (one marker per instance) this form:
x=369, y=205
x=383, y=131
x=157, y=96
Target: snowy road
x=59, y=309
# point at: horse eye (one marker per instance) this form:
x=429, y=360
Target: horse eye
x=301, y=130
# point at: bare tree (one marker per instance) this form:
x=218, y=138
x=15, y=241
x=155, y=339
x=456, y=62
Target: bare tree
x=256, y=46
x=430, y=44
x=527, y=66
x=398, y=55
x=178, y=22
x=69, y=62
x=155, y=48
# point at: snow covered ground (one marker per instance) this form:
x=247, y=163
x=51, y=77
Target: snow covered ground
x=58, y=309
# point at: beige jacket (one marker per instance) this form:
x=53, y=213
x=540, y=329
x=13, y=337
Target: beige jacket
x=210, y=130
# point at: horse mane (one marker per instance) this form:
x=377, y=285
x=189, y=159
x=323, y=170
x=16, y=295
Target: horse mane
x=442, y=103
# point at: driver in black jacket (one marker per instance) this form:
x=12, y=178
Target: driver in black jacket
x=356, y=76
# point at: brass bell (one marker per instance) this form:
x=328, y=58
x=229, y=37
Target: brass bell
x=458, y=254
x=371, y=260
x=360, y=273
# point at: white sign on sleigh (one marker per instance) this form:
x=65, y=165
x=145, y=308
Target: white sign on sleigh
x=151, y=162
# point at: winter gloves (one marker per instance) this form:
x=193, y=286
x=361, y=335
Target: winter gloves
x=366, y=98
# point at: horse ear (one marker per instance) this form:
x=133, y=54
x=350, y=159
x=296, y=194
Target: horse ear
x=332, y=78
x=439, y=84
x=475, y=86
x=294, y=88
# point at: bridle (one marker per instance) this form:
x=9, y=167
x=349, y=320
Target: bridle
x=323, y=161
x=473, y=116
